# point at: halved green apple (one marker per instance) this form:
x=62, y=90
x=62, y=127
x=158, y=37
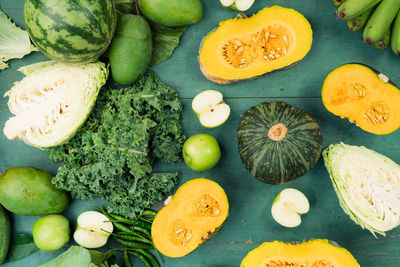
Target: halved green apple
x=210, y=108
x=288, y=207
x=239, y=5
x=93, y=229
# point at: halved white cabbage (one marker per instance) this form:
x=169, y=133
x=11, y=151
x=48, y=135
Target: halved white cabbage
x=367, y=185
x=52, y=101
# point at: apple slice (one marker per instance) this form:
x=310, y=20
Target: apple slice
x=93, y=229
x=210, y=108
x=239, y=5
x=288, y=206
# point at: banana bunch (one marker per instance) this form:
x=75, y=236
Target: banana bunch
x=380, y=20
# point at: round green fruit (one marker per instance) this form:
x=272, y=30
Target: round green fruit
x=130, y=50
x=278, y=142
x=71, y=31
x=201, y=152
x=51, y=232
x=172, y=13
x=210, y=108
x=28, y=191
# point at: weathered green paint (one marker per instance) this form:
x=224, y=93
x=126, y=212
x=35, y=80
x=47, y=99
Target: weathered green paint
x=249, y=222
x=72, y=31
x=278, y=161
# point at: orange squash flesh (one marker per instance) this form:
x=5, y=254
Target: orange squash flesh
x=317, y=252
x=243, y=48
x=198, y=209
x=364, y=96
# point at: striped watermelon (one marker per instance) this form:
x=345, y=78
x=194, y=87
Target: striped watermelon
x=71, y=30
x=278, y=142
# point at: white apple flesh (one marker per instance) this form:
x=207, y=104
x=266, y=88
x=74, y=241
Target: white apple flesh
x=288, y=207
x=243, y=5
x=210, y=108
x=93, y=229
x=227, y=3
x=239, y=5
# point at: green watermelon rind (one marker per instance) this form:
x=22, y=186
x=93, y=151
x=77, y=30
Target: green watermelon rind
x=71, y=31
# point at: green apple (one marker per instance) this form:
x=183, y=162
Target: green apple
x=51, y=232
x=93, y=229
x=288, y=207
x=201, y=152
x=239, y=5
x=210, y=108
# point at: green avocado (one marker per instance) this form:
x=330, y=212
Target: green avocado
x=172, y=13
x=29, y=191
x=130, y=49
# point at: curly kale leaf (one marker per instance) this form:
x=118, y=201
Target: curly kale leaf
x=112, y=155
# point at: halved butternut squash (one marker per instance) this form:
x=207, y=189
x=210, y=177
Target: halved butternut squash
x=197, y=211
x=317, y=252
x=243, y=48
x=363, y=95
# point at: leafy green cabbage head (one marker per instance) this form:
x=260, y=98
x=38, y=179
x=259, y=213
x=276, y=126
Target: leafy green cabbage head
x=367, y=185
x=52, y=101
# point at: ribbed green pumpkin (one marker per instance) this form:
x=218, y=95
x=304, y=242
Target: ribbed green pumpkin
x=71, y=30
x=4, y=234
x=278, y=142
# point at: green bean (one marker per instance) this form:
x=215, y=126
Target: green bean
x=121, y=219
x=123, y=228
x=134, y=244
x=133, y=238
x=142, y=230
x=143, y=224
x=149, y=212
x=150, y=220
x=126, y=229
x=149, y=256
x=135, y=234
x=104, y=212
x=126, y=260
x=140, y=257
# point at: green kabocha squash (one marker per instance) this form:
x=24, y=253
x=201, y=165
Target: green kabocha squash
x=278, y=142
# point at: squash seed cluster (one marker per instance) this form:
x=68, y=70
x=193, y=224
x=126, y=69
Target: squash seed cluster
x=298, y=263
x=206, y=205
x=267, y=44
x=179, y=233
x=377, y=113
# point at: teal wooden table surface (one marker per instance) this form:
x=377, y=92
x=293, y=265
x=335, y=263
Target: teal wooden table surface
x=249, y=222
